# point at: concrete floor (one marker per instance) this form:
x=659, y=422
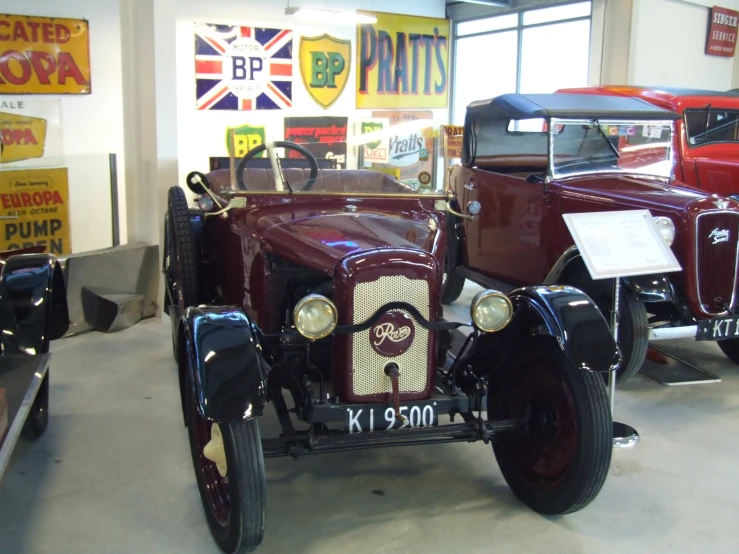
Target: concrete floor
x=113, y=474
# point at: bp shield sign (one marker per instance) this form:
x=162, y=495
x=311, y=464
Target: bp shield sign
x=325, y=62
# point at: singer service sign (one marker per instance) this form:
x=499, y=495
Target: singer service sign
x=722, y=30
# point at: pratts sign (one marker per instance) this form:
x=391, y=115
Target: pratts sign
x=722, y=31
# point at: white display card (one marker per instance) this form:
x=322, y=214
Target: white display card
x=620, y=244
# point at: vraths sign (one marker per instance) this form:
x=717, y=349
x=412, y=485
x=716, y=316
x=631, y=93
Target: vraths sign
x=403, y=62
x=34, y=210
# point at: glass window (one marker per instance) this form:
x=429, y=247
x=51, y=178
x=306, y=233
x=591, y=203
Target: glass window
x=555, y=56
x=476, y=81
x=710, y=126
x=488, y=24
x=557, y=13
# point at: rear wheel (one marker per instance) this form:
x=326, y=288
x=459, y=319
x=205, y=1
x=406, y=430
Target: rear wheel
x=558, y=464
x=180, y=263
x=730, y=348
x=229, y=468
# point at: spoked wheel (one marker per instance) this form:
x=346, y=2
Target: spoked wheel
x=38, y=417
x=452, y=283
x=229, y=467
x=180, y=264
x=730, y=348
x=559, y=462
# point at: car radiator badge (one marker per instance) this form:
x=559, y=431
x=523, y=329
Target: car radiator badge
x=393, y=334
x=719, y=235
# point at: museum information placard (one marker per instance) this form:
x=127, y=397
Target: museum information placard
x=34, y=210
x=44, y=55
x=620, y=243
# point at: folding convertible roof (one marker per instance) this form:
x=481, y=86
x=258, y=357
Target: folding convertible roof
x=582, y=106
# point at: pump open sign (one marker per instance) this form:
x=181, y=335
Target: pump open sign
x=44, y=55
x=34, y=205
x=403, y=62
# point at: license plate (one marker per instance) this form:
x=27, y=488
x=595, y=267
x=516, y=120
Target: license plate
x=369, y=418
x=718, y=329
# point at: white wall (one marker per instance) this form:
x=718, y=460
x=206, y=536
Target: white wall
x=201, y=134
x=91, y=123
x=667, y=47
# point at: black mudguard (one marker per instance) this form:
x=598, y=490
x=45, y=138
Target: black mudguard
x=647, y=288
x=220, y=348
x=33, y=303
x=565, y=314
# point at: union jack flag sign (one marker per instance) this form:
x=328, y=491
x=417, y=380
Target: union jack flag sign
x=243, y=68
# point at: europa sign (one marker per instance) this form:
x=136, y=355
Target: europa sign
x=403, y=62
x=722, y=30
x=44, y=55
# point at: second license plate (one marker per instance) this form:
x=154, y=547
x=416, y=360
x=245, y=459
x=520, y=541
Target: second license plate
x=718, y=329
x=382, y=417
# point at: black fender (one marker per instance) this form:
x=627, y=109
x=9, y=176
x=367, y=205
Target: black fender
x=33, y=303
x=564, y=313
x=647, y=288
x=220, y=348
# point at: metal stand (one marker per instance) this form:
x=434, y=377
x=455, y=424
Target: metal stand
x=624, y=436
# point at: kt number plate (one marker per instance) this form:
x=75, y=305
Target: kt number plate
x=381, y=417
x=718, y=329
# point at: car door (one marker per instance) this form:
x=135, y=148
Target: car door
x=506, y=240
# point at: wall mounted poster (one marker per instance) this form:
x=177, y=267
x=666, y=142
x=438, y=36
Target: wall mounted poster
x=375, y=145
x=410, y=146
x=29, y=128
x=44, y=55
x=325, y=62
x=722, y=31
x=34, y=210
x=403, y=62
x=243, y=68
x=324, y=137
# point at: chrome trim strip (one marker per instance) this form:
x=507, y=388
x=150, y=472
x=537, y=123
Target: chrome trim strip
x=697, y=269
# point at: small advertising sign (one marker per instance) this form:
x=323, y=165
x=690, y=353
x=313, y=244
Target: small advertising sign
x=239, y=140
x=403, y=62
x=44, y=55
x=452, y=137
x=29, y=128
x=375, y=145
x=34, y=210
x=722, y=31
x=325, y=62
x=324, y=137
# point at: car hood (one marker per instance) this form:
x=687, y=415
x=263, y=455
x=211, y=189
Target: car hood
x=318, y=239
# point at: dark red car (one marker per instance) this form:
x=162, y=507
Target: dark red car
x=706, y=138
x=319, y=292
x=528, y=159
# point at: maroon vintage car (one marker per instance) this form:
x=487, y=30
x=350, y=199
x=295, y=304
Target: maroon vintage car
x=528, y=159
x=706, y=138
x=319, y=292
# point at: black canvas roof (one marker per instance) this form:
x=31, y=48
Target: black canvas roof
x=586, y=106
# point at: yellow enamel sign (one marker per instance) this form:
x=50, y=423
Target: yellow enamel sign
x=325, y=62
x=21, y=137
x=403, y=62
x=44, y=55
x=34, y=210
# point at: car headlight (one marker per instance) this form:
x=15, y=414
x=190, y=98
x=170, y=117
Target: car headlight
x=491, y=310
x=315, y=317
x=666, y=229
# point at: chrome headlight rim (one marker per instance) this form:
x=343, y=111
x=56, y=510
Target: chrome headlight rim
x=306, y=300
x=662, y=222
x=481, y=297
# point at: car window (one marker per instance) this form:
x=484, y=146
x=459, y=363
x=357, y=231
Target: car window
x=712, y=125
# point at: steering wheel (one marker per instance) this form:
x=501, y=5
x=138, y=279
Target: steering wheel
x=278, y=144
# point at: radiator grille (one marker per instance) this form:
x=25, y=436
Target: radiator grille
x=716, y=260
x=368, y=375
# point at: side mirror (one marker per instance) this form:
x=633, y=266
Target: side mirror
x=197, y=182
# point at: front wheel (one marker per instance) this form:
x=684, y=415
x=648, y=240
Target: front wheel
x=38, y=417
x=730, y=348
x=229, y=468
x=452, y=283
x=559, y=462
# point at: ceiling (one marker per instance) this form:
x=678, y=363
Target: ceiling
x=463, y=9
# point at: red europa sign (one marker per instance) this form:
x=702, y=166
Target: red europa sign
x=722, y=31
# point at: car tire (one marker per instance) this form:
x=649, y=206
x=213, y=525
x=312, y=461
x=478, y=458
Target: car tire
x=452, y=282
x=180, y=263
x=730, y=348
x=38, y=417
x=558, y=464
x=235, y=505
x=633, y=327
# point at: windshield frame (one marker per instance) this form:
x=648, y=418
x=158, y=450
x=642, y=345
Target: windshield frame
x=554, y=121
x=703, y=110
